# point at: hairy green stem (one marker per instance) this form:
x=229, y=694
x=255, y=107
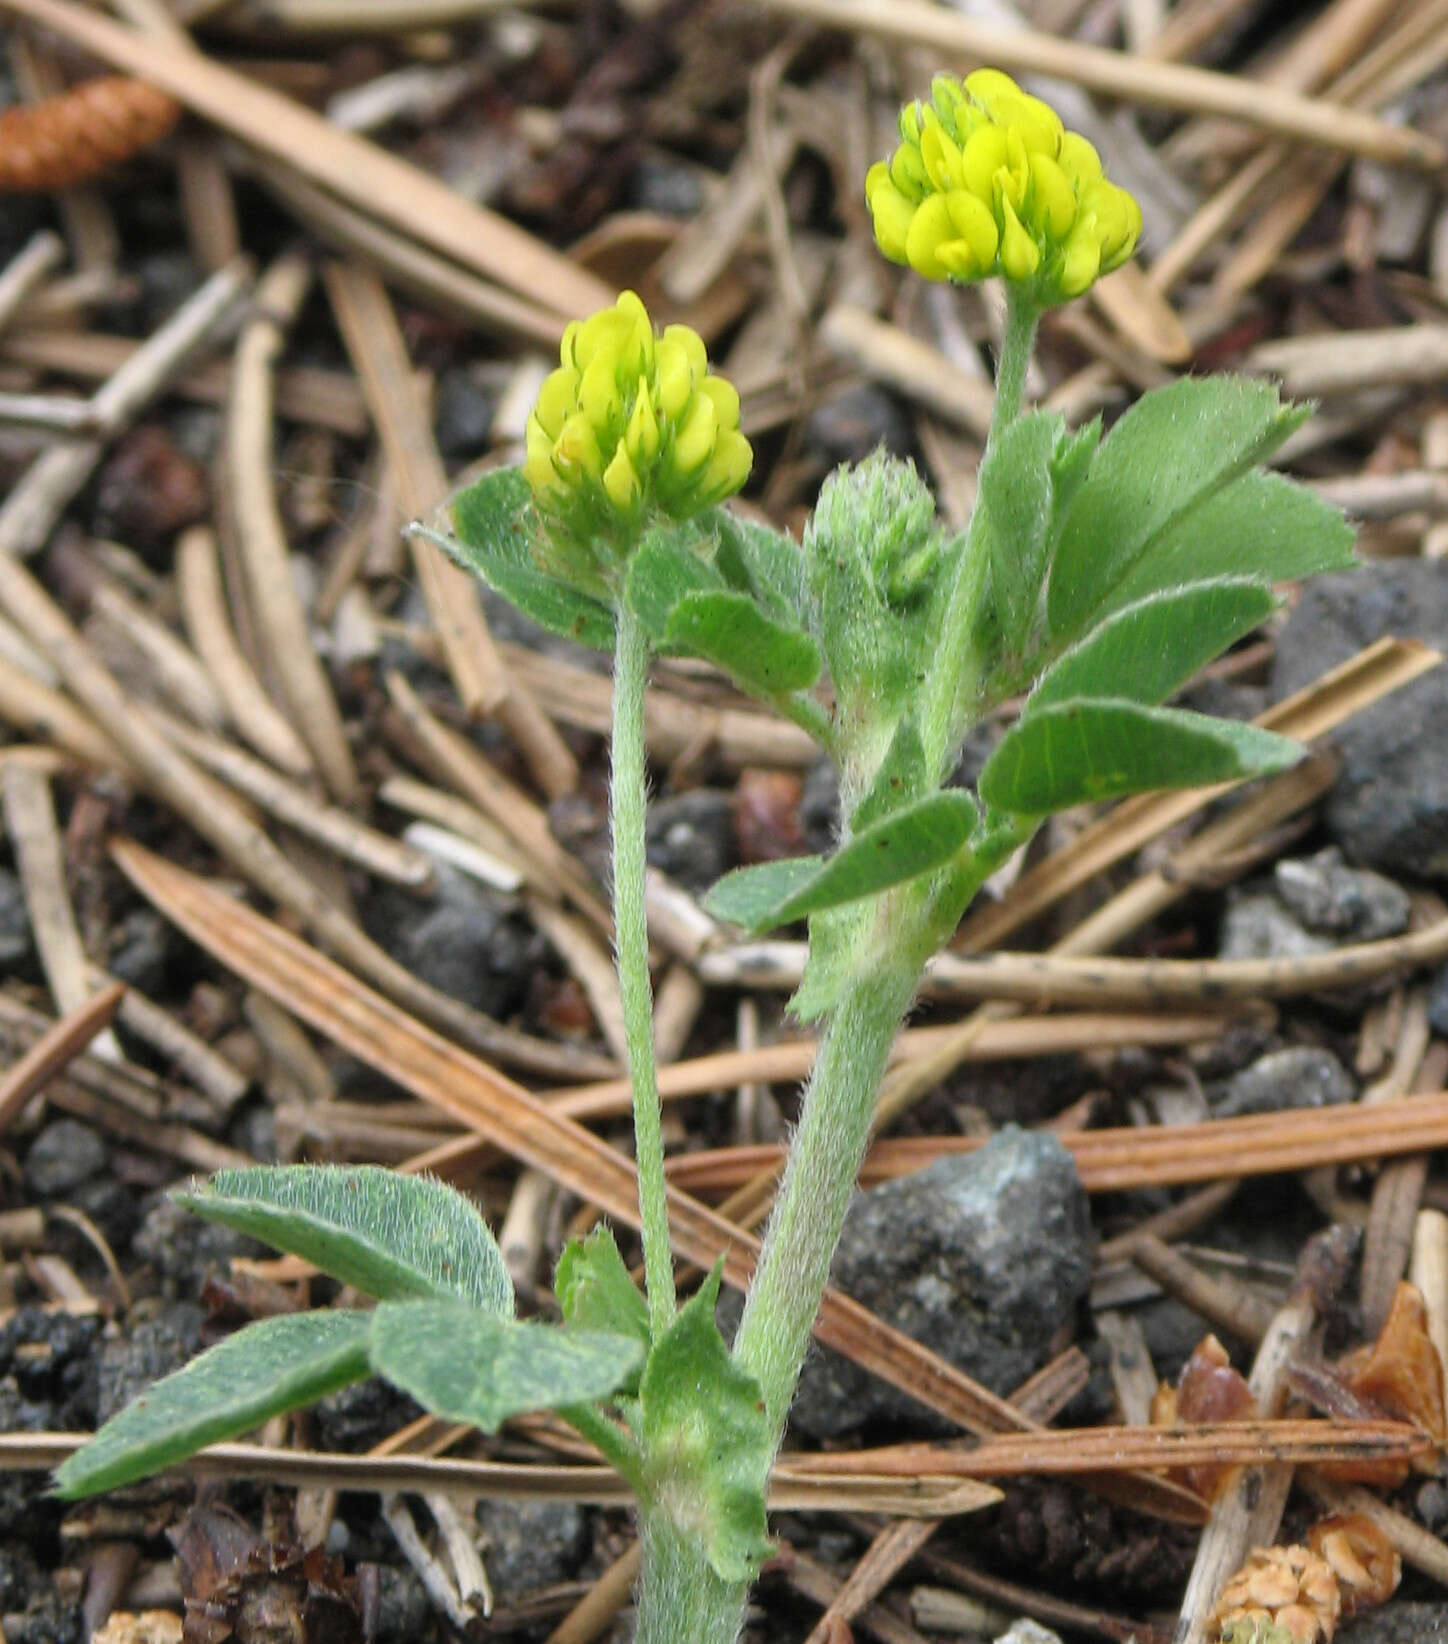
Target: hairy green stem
x=609, y=1439
x=626, y=818
x=1022, y=316
x=680, y=1597
x=952, y=676
x=824, y=1159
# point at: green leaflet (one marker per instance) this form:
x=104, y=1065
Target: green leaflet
x=494, y=525
x=390, y=1235
x=595, y=1290
x=1146, y=651
x=465, y=1366
x=902, y=845
x=266, y=1369
x=665, y=568
x=1177, y=447
x=1260, y=526
x=1074, y=752
x=763, y=657
x=1015, y=521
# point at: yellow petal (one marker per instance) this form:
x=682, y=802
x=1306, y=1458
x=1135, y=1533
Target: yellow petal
x=538, y=469
x=726, y=401
x=908, y=172
x=930, y=227
x=621, y=483
x=989, y=86
x=975, y=229
x=1053, y=200
x=673, y=376
x=909, y=123
x=1118, y=223
x=1080, y=259
x=1019, y=253
x=694, y=442
x=890, y=214
x=940, y=152
x=727, y=470
x=556, y=398
x=567, y=349
x=986, y=152
x=636, y=350
x=642, y=435
x=599, y=397
x=576, y=455
x=692, y=344
x=1039, y=125
x=1036, y=123
x=1014, y=178
x=1079, y=160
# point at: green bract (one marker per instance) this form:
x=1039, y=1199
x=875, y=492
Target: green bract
x=629, y=425
x=988, y=181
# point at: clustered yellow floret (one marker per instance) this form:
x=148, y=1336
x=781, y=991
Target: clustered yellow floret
x=631, y=423
x=987, y=181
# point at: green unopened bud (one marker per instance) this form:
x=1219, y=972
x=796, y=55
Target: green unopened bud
x=1055, y=223
x=629, y=425
x=1256, y=1630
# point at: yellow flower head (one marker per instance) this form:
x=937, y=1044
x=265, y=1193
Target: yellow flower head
x=631, y=424
x=986, y=180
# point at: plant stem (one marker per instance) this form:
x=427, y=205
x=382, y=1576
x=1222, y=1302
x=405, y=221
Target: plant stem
x=616, y=1447
x=950, y=677
x=1022, y=316
x=629, y=781
x=824, y=1159
x=680, y=1598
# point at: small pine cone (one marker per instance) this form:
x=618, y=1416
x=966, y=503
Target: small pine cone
x=1289, y=1588
x=81, y=133
x=1362, y=1558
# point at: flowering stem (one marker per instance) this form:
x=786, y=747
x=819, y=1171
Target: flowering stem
x=1022, y=317
x=952, y=682
x=824, y=1159
x=626, y=816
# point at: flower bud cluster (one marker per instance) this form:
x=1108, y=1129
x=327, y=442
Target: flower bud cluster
x=987, y=181
x=631, y=424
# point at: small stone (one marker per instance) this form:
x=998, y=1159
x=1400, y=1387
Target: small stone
x=1397, y=1623
x=1333, y=899
x=49, y=1618
x=462, y=415
x=463, y=940
x=1257, y=926
x=1432, y=1504
x=531, y=1544
x=148, y=491
x=64, y=1154
x=691, y=837
x=183, y=1250
x=1300, y=1076
x=980, y=1257
x=404, y=1611
x=819, y=807
x=111, y=1207
x=1389, y=806
x=143, y=952
x=357, y=1417
x=131, y=1363
x=15, y=937
x=19, y=1577
x=1026, y=1631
